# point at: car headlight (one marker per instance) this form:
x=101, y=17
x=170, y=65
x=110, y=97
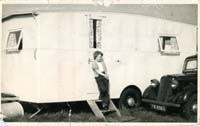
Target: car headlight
x=174, y=83
x=184, y=98
x=154, y=83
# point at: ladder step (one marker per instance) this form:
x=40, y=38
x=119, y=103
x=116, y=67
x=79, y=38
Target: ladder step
x=98, y=100
x=100, y=113
x=96, y=109
x=108, y=111
x=113, y=107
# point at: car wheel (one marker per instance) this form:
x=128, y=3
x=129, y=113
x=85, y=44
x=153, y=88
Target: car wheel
x=130, y=98
x=190, y=108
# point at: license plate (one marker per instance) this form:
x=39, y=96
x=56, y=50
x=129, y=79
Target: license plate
x=158, y=107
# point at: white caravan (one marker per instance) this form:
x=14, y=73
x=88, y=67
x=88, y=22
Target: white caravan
x=46, y=56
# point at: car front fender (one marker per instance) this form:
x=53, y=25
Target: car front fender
x=192, y=90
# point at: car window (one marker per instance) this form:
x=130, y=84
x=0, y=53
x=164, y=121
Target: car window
x=191, y=65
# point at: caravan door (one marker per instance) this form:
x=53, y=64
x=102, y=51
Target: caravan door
x=95, y=41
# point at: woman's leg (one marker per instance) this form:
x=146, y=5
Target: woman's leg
x=103, y=85
x=106, y=96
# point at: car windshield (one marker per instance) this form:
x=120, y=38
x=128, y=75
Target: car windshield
x=191, y=65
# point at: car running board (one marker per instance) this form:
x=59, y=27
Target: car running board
x=161, y=103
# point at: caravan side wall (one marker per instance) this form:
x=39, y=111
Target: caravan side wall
x=63, y=57
x=54, y=64
x=19, y=76
x=130, y=46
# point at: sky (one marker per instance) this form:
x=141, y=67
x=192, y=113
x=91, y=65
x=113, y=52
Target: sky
x=186, y=13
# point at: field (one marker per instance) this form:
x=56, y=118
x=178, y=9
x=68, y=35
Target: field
x=82, y=113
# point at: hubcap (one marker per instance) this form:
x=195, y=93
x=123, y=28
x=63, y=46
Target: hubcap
x=194, y=108
x=131, y=101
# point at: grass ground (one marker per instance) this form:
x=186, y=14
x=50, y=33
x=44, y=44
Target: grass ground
x=82, y=113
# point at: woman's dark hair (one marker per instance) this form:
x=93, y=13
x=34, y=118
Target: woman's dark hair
x=96, y=53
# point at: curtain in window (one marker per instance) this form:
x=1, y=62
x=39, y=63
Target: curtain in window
x=99, y=33
x=91, y=35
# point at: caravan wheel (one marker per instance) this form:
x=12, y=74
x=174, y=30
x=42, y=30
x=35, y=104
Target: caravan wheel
x=130, y=98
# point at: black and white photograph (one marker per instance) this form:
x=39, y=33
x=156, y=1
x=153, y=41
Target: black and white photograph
x=102, y=61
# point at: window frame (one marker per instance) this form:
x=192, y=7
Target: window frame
x=15, y=48
x=97, y=19
x=168, y=52
x=186, y=63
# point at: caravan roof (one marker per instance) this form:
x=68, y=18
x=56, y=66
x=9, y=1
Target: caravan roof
x=181, y=13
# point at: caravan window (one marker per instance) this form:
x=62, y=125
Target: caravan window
x=168, y=45
x=95, y=36
x=14, y=41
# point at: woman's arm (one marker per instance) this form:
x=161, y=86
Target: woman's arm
x=105, y=68
x=101, y=73
x=95, y=69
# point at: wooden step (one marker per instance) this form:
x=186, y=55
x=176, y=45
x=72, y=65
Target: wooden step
x=98, y=100
x=113, y=107
x=108, y=111
x=95, y=109
x=100, y=113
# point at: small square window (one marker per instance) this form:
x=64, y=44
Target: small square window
x=14, y=41
x=168, y=45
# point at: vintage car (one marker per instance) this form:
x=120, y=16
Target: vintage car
x=177, y=91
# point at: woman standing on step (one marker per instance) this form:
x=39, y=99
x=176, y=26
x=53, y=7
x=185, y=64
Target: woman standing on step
x=101, y=77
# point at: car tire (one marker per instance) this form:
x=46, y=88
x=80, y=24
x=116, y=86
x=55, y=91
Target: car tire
x=130, y=98
x=189, y=110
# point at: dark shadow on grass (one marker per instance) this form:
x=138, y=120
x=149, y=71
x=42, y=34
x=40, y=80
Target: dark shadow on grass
x=81, y=112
